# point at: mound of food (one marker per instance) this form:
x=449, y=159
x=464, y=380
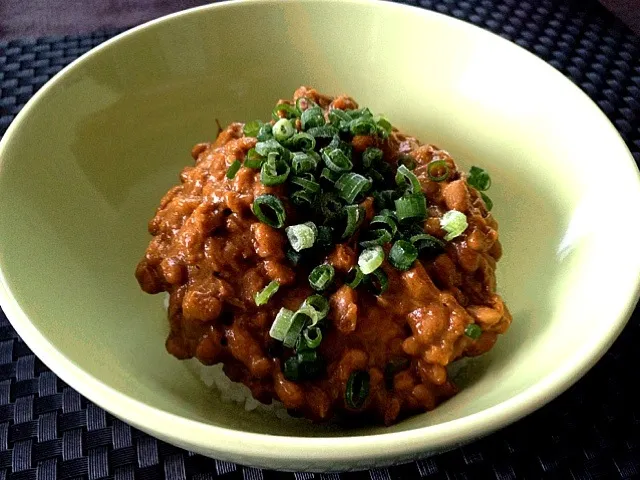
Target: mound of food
x=328, y=261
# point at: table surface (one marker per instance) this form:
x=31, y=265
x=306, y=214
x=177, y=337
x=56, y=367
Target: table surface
x=49, y=432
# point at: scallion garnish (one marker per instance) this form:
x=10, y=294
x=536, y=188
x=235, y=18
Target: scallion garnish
x=253, y=159
x=479, y=179
x=302, y=141
x=272, y=146
x=312, y=117
x=312, y=337
x=335, y=159
x=303, y=198
x=454, y=223
x=303, y=162
x=281, y=324
x=473, y=331
x=377, y=281
x=301, y=236
x=298, y=322
x=371, y=157
x=376, y=237
x=269, y=209
x=487, y=201
x=354, y=277
x=385, y=221
x=233, y=169
x=354, y=216
x=321, y=277
x=370, y=259
x=357, y=389
x=406, y=160
x=326, y=131
x=289, y=111
x=319, y=303
x=350, y=185
x=263, y=296
x=274, y=171
x=283, y=129
x=251, y=129
x=264, y=133
x=405, y=178
x=411, y=207
x=438, y=170
x=426, y=242
x=306, y=182
x=403, y=254
x=329, y=175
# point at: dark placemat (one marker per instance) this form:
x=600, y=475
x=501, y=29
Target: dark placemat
x=48, y=431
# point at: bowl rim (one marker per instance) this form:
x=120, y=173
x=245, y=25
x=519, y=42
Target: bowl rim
x=257, y=448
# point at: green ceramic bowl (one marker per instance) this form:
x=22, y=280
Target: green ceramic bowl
x=85, y=163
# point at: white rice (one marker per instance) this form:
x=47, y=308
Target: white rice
x=231, y=392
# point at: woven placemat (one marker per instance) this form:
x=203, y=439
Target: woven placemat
x=48, y=431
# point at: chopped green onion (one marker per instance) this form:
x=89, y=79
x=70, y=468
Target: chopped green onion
x=253, y=159
x=274, y=171
x=301, y=236
x=263, y=296
x=363, y=126
x=362, y=112
x=350, y=185
x=289, y=111
x=406, y=160
x=473, y=331
x=354, y=277
x=384, y=126
x=312, y=337
x=424, y=241
x=357, y=389
x=454, y=223
x=329, y=175
x=298, y=321
x=312, y=117
x=302, y=141
x=269, y=209
x=281, y=324
x=376, y=237
x=438, y=170
x=403, y=254
x=384, y=199
x=338, y=117
x=487, y=201
x=355, y=216
x=303, y=198
x=330, y=205
x=321, y=276
x=479, y=179
x=291, y=369
x=252, y=129
x=375, y=176
x=233, y=169
x=264, y=133
x=306, y=355
x=304, y=162
x=294, y=257
x=411, y=207
x=407, y=179
x=371, y=157
x=385, y=221
x=378, y=282
x=335, y=159
x=306, y=183
x=370, y=259
x=318, y=303
x=271, y=145
x=325, y=131
x=324, y=237
x=283, y=129
x=346, y=147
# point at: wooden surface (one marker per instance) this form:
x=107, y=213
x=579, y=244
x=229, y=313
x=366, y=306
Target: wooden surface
x=32, y=18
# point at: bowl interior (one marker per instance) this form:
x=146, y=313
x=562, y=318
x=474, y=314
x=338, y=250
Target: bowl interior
x=85, y=165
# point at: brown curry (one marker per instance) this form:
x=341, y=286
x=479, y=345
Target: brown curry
x=212, y=254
